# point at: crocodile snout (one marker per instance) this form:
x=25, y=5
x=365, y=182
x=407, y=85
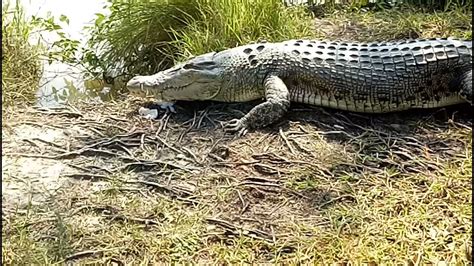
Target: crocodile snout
x=135, y=83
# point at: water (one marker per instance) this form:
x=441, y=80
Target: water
x=60, y=81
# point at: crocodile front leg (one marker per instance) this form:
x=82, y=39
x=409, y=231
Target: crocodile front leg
x=276, y=105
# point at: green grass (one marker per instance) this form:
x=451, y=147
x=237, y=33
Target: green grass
x=228, y=24
x=21, y=68
x=137, y=33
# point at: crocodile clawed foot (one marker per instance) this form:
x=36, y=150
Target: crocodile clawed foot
x=168, y=107
x=148, y=113
x=236, y=125
x=152, y=110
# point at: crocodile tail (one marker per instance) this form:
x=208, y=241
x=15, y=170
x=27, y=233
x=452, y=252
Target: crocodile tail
x=465, y=84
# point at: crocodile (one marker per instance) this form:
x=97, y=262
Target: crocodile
x=375, y=77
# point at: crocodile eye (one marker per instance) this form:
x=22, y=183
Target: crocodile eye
x=199, y=65
x=188, y=66
x=206, y=64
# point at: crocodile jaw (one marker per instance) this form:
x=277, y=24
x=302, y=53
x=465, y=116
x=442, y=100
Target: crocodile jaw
x=145, y=86
x=197, y=79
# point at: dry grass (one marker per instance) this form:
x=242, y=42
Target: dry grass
x=321, y=186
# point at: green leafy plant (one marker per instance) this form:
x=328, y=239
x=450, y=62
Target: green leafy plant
x=64, y=49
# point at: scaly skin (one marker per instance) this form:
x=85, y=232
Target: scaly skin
x=360, y=77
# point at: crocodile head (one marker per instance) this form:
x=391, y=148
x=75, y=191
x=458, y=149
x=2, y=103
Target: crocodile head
x=195, y=79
